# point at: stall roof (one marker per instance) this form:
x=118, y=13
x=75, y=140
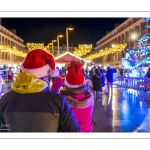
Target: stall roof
x=66, y=57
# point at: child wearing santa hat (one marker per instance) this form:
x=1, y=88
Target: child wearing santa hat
x=30, y=106
x=79, y=95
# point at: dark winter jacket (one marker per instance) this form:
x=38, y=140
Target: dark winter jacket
x=96, y=81
x=109, y=75
x=31, y=107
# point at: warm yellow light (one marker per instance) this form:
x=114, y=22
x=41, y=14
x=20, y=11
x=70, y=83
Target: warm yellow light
x=82, y=49
x=133, y=36
x=70, y=28
x=60, y=35
x=106, y=51
x=33, y=46
x=8, y=49
x=70, y=54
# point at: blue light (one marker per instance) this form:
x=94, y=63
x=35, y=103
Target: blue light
x=146, y=19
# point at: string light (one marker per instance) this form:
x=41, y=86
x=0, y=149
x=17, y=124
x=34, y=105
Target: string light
x=82, y=49
x=33, y=46
x=143, y=49
x=8, y=49
x=106, y=51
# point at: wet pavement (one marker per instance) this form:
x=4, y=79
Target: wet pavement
x=124, y=110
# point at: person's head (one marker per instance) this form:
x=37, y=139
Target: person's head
x=108, y=68
x=97, y=71
x=101, y=70
x=74, y=77
x=39, y=63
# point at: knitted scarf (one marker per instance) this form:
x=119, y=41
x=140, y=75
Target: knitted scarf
x=70, y=94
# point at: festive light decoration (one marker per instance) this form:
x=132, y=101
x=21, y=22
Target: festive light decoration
x=147, y=26
x=32, y=46
x=106, y=51
x=146, y=19
x=144, y=38
x=6, y=48
x=82, y=49
x=69, y=54
x=144, y=49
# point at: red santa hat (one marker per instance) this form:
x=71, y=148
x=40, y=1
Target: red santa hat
x=74, y=77
x=39, y=63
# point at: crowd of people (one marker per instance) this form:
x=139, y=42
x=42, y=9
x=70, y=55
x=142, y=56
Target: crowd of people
x=66, y=105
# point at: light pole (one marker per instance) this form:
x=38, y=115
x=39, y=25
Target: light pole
x=58, y=43
x=49, y=46
x=53, y=46
x=67, y=37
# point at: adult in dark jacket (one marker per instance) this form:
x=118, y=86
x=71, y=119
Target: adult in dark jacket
x=30, y=106
x=102, y=78
x=97, y=85
x=109, y=77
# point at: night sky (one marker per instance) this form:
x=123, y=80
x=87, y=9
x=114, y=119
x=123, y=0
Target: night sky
x=44, y=30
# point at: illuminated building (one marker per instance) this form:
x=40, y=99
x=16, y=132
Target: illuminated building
x=127, y=32
x=12, y=49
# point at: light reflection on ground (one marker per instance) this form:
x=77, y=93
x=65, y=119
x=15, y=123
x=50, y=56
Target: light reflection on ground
x=125, y=110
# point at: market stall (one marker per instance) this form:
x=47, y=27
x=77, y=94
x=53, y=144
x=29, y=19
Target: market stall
x=66, y=57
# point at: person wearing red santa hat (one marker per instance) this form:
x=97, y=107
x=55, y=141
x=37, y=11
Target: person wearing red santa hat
x=30, y=106
x=79, y=95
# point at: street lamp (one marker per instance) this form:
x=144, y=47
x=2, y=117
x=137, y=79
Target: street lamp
x=58, y=43
x=53, y=46
x=67, y=37
x=133, y=36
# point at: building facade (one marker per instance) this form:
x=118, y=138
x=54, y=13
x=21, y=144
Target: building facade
x=121, y=34
x=9, y=40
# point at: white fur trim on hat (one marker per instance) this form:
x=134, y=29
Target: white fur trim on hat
x=54, y=73
x=72, y=86
x=38, y=72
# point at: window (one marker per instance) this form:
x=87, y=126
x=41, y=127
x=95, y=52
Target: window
x=137, y=29
x=2, y=40
x=122, y=37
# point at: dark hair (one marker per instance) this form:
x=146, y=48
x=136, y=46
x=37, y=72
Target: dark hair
x=101, y=71
x=63, y=74
x=97, y=71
